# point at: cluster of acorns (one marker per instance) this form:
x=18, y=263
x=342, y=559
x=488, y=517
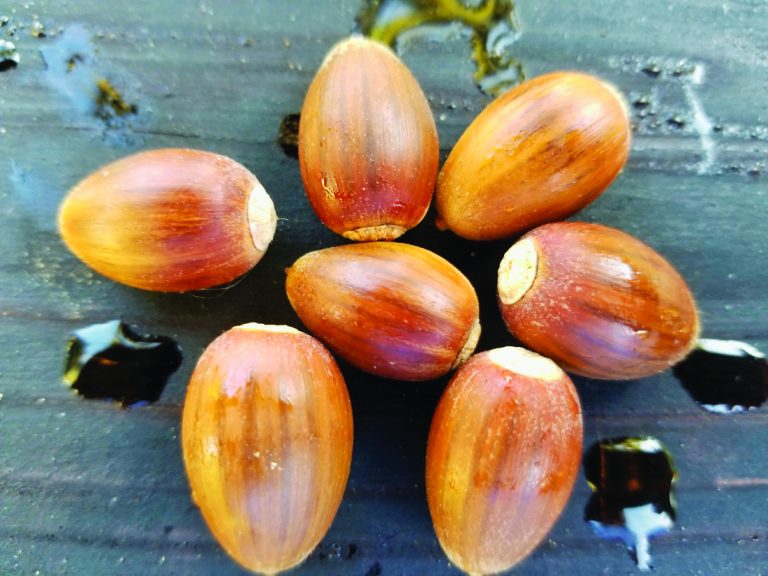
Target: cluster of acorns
x=267, y=422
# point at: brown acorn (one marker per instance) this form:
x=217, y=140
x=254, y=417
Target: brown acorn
x=391, y=309
x=503, y=453
x=536, y=154
x=267, y=443
x=171, y=220
x=368, y=146
x=597, y=301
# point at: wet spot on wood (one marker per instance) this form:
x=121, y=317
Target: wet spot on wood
x=93, y=90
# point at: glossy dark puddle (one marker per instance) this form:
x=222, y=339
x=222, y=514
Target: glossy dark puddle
x=113, y=361
x=9, y=56
x=725, y=376
x=493, y=27
x=633, y=480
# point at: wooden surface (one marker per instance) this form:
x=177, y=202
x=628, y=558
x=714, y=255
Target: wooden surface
x=89, y=488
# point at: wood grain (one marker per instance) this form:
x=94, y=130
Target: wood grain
x=88, y=488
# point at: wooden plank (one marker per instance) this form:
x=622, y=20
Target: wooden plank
x=88, y=488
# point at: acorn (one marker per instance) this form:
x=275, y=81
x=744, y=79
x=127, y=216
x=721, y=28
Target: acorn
x=538, y=153
x=171, y=220
x=597, y=301
x=391, y=309
x=368, y=147
x=503, y=453
x=267, y=443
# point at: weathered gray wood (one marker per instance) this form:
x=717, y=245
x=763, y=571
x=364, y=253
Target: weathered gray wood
x=87, y=488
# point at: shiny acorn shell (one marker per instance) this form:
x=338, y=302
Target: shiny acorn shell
x=267, y=443
x=538, y=153
x=503, y=454
x=171, y=220
x=596, y=300
x=392, y=309
x=368, y=148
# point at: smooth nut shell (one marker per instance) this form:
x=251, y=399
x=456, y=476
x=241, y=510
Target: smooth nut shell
x=171, y=220
x=503, y=454
x=597, y=301
x=368, y=148
x=391, y=309
x=536, y=154
x=267, y=443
